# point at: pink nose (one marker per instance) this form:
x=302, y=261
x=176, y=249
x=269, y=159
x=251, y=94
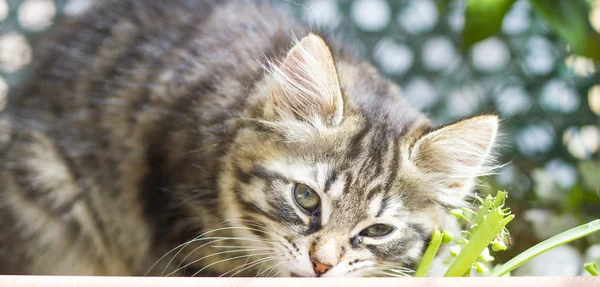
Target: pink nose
x=319, y=267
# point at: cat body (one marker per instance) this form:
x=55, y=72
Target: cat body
x=199, y=138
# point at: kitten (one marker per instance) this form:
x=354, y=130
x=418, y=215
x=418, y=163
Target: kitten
x=196, y=138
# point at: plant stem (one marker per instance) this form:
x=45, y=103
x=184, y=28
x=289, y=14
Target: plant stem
x=592, y=268
x=430, y=253
x=560, y=239
x=489, y=229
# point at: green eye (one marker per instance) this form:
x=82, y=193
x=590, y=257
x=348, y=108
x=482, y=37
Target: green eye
x=306, y=198
x=377, y=230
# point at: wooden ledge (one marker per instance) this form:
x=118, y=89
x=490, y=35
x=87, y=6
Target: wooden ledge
x=42, y=281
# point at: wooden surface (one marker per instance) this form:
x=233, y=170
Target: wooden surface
x=18, y=281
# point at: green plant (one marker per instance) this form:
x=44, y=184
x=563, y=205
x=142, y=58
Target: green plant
x=432, y=249
x=488, y=230
x=592, y=268
x=568, y=19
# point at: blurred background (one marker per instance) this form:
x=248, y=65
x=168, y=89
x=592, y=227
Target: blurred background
x=525, y=69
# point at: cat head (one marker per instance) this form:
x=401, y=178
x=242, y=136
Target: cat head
x=339, y=175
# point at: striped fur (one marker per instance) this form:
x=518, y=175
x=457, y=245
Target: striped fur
x=165, y=138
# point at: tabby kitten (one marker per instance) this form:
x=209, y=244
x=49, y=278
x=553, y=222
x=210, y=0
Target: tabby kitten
x=197, y=138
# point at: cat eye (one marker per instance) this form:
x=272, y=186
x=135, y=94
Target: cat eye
x=377, y=230
x=306, y=198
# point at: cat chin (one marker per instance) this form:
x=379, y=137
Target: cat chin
x=297, y=270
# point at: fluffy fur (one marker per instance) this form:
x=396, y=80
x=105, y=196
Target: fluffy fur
x=166, y=137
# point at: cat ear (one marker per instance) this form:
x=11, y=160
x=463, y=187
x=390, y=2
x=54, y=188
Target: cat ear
x=306, y=86
x=456, y=154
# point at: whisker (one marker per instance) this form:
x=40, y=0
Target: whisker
x=201, y=237
x=260, y=225
x=274, y=268
x=252, y=264
x=210, y=255
x=275, y=275
x=181, y=247
x=216, y=239
x=234, y=247
x=228, y=259
x=219, y=239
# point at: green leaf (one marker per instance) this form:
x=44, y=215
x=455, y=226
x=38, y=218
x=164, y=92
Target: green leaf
x=557, y=240
x=483, y=19
x=430, y=253
x=569, y=19
x=592, y=268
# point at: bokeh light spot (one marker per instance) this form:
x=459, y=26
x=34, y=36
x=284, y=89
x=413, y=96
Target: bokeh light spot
x=394, y=58
x=512, y=100
x=559, y=96
x=15, y=52
x=35, y=15
x=517, y=20
x=490, y=55
x=594, y=99
x=3, y=10
x=456, y=16
x=438, y=53
x=535, y=139
x=418, y=17
x=465, y=100
x=322, y=13
x=76, y=7
x=539, y=56
x=581, y=66
x=582, y=142
x=595, y=16
x=564, y=174
x=420, y=93
x=371, y=15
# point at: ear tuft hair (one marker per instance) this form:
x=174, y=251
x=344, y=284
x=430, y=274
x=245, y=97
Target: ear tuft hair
x=306, y=86
x=456, y=154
